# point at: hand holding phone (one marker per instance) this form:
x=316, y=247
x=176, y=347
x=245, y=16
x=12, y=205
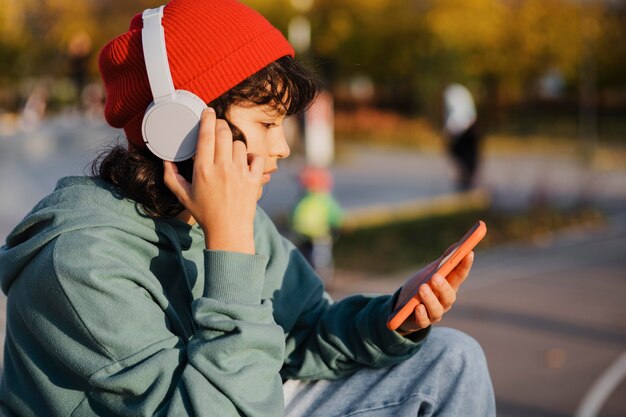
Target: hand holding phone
x=410, y=299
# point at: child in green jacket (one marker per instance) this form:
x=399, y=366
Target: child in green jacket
x=315, y=220
x=158, y=287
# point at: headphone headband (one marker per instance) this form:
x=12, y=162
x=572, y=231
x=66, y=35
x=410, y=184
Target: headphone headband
x=155, y=54
x=171, y=122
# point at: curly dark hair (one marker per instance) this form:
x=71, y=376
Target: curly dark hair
x=138, y=174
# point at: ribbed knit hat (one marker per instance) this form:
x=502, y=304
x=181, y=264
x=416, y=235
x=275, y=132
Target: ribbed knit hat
x=212, y=45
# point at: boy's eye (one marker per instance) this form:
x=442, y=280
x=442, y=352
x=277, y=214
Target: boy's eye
x=269, y=125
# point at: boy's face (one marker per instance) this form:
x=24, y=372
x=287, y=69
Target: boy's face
x=262, y=126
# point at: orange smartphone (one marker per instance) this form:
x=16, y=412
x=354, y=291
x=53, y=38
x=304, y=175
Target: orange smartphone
x=445, y=266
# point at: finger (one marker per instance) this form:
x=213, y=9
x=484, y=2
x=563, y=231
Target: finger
x=176, y=182
x=445, y=293
x=461, y=271
x=421, y=316
x=256, y=163
x=223, y=142
x=431, y=302
x=240, y=153
x=205, y=147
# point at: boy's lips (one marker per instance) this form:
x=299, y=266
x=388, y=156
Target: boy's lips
x=267, y=175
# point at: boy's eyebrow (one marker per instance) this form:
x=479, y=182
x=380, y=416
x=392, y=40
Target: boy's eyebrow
x=275, y=111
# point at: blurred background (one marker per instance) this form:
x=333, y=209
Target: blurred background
x=435, y=113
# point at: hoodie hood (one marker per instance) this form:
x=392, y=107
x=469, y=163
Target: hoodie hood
x=76, y=203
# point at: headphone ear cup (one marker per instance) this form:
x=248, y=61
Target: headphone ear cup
x=170, y=126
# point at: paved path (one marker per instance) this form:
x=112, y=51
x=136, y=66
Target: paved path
x=551, y=318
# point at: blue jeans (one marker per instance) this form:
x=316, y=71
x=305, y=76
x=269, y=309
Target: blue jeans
x=447, y=377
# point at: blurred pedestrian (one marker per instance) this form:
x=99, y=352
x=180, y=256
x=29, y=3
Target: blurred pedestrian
x=316, y=219
x=92, y=100
x=157, y=286
x=34, y=109
x=462, y=137
x=79, y=51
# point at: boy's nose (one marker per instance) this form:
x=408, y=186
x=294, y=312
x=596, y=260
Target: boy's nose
x=280, y=148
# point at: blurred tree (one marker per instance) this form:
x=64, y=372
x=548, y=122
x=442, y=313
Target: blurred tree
x=379, y=39
x=117, y=15
x=11, y=39
x=412, y=48
x=279, y=12
x=611, y=49
x=514, y=42
x=41, y=31
x=471, y=33
x=408, y=48
x=49, y=25
x=55, y=39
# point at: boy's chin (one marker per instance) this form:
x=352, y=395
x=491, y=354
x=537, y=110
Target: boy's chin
x=260, y=193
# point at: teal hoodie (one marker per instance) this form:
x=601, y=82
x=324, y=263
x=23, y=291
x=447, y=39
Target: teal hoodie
x=110, y=312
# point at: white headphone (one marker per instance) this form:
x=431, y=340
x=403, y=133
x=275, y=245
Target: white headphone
x=171, y=122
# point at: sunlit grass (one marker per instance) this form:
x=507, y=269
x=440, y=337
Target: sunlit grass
x=408, y=244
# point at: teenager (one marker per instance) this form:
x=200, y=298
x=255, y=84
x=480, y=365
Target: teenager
x=160, y=288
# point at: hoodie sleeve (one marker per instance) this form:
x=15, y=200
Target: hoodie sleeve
x=327, y=339
x=102, y=328
x=330, y=339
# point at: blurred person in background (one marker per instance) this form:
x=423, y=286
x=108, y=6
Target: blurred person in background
x=78, y=53
x=462, y=138
x=34, y=109
x=316, y=219
x=160, y=288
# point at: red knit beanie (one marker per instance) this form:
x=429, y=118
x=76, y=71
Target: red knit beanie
x=212, y=45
